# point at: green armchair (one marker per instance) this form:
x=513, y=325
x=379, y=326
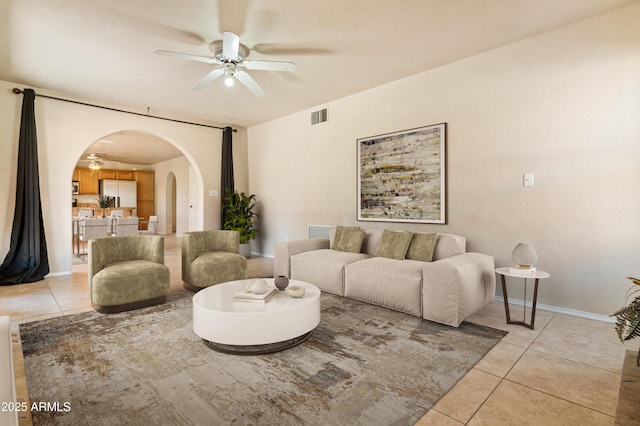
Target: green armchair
x=127, y=272
x=211, y=257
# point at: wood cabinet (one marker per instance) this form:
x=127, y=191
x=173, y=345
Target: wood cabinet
x=145, y=185
x=106, y=174
x=88, y=181
x=146, y=193
x=125, y=175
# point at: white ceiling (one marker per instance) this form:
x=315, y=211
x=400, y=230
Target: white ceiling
x=103, y=50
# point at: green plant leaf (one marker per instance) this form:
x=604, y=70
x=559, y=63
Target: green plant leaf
x=628, y=321
x=239, y=215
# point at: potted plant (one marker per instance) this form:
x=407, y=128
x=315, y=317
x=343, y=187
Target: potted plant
x=103, y=202
x=628, y=317
x=239, y=216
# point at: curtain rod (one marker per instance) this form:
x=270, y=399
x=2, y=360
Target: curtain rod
x=18, y=91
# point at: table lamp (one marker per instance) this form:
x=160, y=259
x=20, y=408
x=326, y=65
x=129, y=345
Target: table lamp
x=525, y=256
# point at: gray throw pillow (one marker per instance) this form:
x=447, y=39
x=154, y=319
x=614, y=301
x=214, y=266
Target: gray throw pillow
x=394, y=245
x=422, y=246
x=348, y=239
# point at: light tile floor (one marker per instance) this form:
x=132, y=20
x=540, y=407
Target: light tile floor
x=565, y=372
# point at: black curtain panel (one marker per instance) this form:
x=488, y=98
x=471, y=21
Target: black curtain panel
x=27, y=259
x=227, y=169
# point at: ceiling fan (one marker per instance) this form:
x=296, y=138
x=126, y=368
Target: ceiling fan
x=231, y=54
x=94, y=161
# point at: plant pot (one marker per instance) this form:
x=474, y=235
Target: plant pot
x=245, y=249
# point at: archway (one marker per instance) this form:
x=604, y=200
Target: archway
x=138, y=152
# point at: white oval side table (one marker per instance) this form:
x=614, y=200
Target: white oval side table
x=537, y=275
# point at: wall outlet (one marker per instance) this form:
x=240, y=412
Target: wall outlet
x=527, y=180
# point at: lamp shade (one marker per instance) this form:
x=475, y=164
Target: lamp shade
x=524, y=255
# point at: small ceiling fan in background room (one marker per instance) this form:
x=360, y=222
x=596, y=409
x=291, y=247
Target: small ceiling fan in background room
x=94, y=161
x=231, y=55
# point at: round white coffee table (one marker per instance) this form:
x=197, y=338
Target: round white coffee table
x=254, y=328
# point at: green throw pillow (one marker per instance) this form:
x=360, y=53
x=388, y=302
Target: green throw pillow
x=337, y=236
x=348, y=239
x=394, y=245
x=422, y=246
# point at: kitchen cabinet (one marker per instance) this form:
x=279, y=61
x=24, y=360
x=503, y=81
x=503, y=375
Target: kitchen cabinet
x=106, y=174
x=145, y=182
x=88, y=180
x=125, y=175
x=146, y=185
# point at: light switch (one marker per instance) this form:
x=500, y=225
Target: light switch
x=213, y=193
x=527, y=179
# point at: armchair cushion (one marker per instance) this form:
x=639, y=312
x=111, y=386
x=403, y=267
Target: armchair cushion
x=211, y=257
x=127, y=272
x=113, y=284
x=217, y=267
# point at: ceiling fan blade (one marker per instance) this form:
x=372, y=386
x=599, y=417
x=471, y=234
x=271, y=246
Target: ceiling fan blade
x=230, y=44
x=205, y=59
x=250, y=83
x=204, y=81
x=269, y=65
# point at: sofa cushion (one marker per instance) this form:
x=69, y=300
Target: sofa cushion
x=449, y=245
x=395, y=284
x=422, y=246
x=393, y=244
x=129, y=281
x=348, y=239
x=324, y=268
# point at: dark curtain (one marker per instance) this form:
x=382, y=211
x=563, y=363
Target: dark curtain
x=227, y=169
x=27, y=259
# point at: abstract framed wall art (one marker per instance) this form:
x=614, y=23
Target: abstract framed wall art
x=401, y=176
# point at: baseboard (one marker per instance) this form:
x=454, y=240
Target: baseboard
x=57, y=274
x=268, y=256
x=560, y=310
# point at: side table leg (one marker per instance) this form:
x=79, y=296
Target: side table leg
x=506, y=299
x=533, y=307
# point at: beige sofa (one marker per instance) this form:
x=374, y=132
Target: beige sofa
x=448, y=289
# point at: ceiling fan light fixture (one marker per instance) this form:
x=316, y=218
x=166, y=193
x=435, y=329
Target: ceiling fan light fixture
x=93, y=165
x=231, y=54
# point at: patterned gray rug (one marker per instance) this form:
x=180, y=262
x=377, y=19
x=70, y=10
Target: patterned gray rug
x=363, y=365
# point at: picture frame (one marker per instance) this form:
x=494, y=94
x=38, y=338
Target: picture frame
x=402, y=176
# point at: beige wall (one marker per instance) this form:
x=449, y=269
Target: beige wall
x=65, y=130
x=564, y=105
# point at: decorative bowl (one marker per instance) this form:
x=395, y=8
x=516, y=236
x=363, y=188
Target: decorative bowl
x=295, y=290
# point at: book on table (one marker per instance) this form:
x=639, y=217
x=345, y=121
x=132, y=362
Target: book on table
x=256, y=298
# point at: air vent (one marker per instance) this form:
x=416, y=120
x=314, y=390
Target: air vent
x=319, y=231
x=319, y=116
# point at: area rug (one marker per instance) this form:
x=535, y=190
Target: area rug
x=363, y=365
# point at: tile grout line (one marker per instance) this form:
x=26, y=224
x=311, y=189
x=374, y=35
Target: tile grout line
x=502, y=379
